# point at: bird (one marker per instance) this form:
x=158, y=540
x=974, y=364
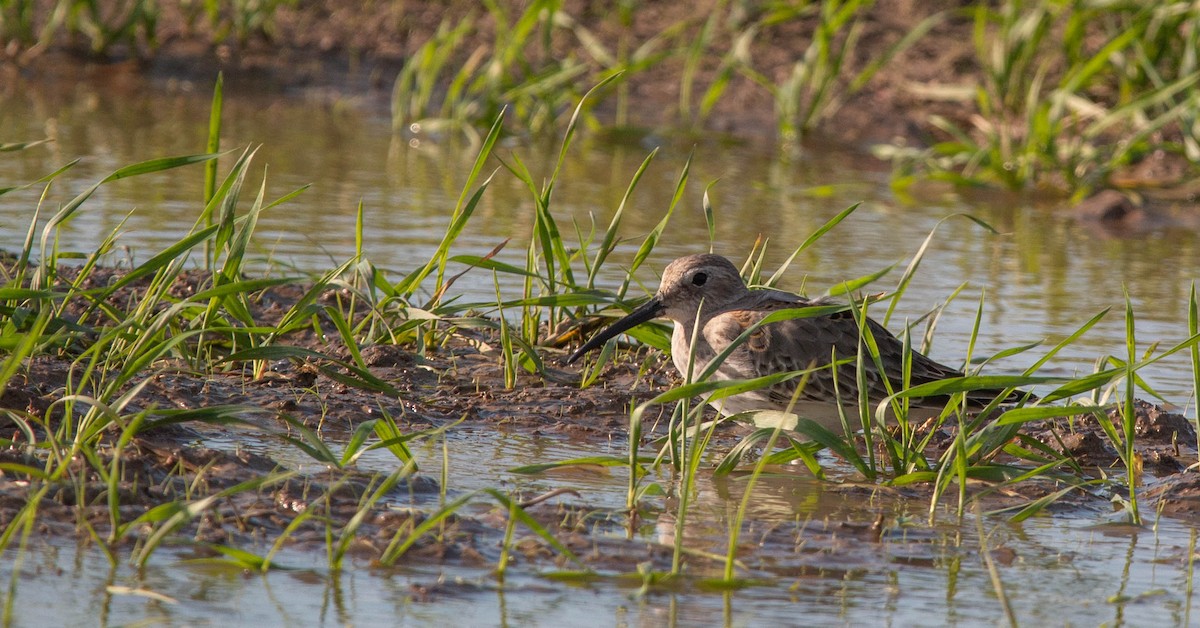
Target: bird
x=706, y=297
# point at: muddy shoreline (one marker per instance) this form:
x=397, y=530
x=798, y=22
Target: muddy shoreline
x=333, y=56
x=329, y=53
x=460, y=380
x=329, y=56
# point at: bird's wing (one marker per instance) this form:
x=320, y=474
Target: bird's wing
x=812, y=343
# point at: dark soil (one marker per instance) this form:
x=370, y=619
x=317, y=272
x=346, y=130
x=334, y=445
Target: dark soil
x=318, y=49
x=331, y=52
x=168, y=462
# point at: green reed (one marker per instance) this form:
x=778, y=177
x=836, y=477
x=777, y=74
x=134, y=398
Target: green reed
x=118, y=346
x=472, y=82
x=452, y=82
x=817, y=85
x=210, y=168
x=1059, y=109
x=516, y=71
x=1133, y=465
x=1193, y=318
x=1072, y=91
x=547, y=259
x=238, y=18
x=131, y=25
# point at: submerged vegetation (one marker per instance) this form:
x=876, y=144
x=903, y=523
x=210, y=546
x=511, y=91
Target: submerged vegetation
x=88, y=456
x=1066, y=95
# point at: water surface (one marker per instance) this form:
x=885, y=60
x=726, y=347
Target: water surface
x=1042, y=278
x=1071, y=570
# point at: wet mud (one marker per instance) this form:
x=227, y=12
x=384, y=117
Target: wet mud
x=460, y=379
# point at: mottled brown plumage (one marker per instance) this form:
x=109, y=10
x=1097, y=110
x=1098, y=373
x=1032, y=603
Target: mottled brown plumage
x=709, y=290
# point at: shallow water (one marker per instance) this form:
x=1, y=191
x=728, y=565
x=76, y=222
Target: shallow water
x=1053, y=570
x=1042, y=279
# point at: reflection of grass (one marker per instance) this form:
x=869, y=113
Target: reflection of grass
x=518, y=68
x=150, y=320
x=1069, y=92
x=992, y=451
x=117, y=343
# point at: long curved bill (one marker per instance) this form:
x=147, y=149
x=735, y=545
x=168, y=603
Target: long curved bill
x=647, y=311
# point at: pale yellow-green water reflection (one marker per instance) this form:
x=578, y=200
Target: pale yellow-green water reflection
x=1042, y=278
x=810, y=549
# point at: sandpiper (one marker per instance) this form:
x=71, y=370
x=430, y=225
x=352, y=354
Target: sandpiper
x=708, y=289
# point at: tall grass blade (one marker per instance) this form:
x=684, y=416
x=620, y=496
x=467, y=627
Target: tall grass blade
x=214, y=141
x=610, y=235
x=652, y=238
x=400, y=543
x=1129, y=414
x=810, y=240
x=458, y=220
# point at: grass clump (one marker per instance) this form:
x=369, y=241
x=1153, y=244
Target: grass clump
x=1066, y=95
x=131, y=27
x=117, y=341
x=193, y=310
x=1071, y=93
x=452, y=82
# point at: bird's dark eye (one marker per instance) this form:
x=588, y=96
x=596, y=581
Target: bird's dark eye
x=699, y=278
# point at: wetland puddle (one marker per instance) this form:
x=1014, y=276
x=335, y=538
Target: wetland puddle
x=816, y=553
x=1041, y=280
x=834, y=555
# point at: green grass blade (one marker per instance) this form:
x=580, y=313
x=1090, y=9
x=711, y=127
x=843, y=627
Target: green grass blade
x=810, y=240
x=214, y=140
